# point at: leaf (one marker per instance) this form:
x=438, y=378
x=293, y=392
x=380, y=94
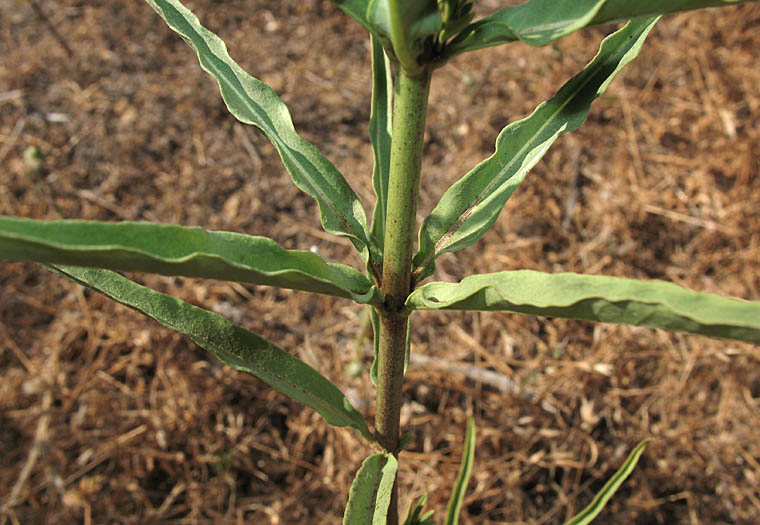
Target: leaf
x=356, y=9
x=177, y=250
x=615, y=10
x=600, y=500
x=380, y=120
x=406, y=26
x=465, y=469
x=232, y=344
x=374, y=317
x=253, y=102
x=370, y=494
x=470, y=206
x=455, y=16
x=540, y=22
x=414, y=515
x=656, y=304
x=537, y=22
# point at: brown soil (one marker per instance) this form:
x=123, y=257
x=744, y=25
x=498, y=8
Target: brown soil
x=105, y=417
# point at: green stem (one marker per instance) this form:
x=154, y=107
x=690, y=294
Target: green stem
x=409, y=113
x=401, y=43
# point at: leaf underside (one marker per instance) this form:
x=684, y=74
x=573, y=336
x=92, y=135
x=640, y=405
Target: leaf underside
x=356, y=9
x=654, y=304
x=380, y=121
x=540, y=22
x=370, y=494
x=232, y=344
x=178, y=250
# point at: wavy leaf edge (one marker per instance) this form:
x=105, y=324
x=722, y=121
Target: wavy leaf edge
x=545, y=294
x=470, y=206
x=526, y=22
x=189, y=251
x=341, y=211
x=593, y=509
x=231, y=343
x=370, y=494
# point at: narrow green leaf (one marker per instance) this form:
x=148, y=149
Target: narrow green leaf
x=537, y=22
x=177, y=250
x=370, y=494
x=540, y=22
x=600, y=500
x=253, y=102
x=414, y=511
x=380, y=121
x=465, y=469
x=656, y=304
x=414, y=515
x=356, y=9
x=427, y=518
x=455, y=15
x=375, y=320
x=469, y=207
x=232, y=344
x=406, y=26
x=616, y=10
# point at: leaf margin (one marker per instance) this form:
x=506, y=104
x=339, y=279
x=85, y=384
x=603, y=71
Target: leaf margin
x=374, y=479
x=341, y=211
x=593, y=509
x=504, y=25
x=486, y=188
x=170, y=249
x=380, y=131
x=564, y=294
x=454, y=506
x=331, y=404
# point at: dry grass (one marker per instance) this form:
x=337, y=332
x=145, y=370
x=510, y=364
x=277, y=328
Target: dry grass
x=107, y=418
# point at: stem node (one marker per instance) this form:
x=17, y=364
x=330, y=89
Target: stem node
x=409, y=113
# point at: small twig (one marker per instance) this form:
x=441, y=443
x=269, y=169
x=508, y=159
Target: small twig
x=708, y=224
x=575, y=187
x=49, y=25
x=633, y=145
x=177, y=489
x=365, y=330
x=120, y=211
x=248, y=145
x=12, y=138
x=40, y=437
x=13, y=94
x=17, y=351
x=491, y=378
x=98, y=456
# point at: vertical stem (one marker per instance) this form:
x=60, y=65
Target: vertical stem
x=409, y=113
